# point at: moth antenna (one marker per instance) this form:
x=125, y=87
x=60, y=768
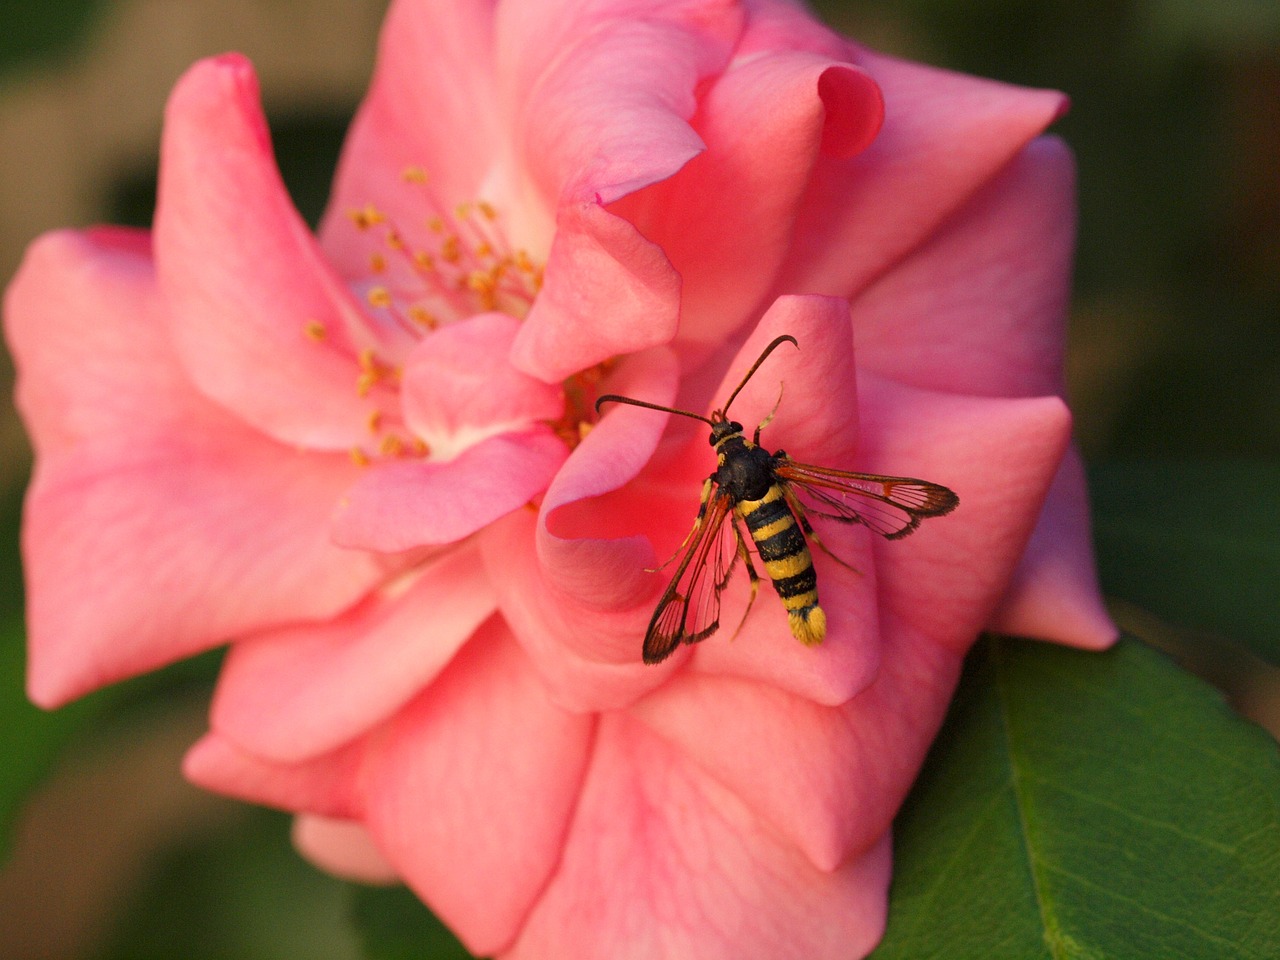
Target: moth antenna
x=777, y=341
x=614, y=398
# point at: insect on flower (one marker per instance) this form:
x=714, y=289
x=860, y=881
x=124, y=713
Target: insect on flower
x=774, y=496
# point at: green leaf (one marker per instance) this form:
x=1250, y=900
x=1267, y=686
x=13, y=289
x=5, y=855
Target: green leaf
x=394, y=925
x=1083, y=805
x=1196, y=544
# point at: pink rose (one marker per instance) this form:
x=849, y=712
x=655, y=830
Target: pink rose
x=370, y=460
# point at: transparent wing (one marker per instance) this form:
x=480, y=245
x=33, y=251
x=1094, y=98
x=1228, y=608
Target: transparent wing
x=689, y=609
x=889, y=506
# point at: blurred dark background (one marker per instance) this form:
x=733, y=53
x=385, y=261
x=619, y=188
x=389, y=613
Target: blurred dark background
x=1174, y=376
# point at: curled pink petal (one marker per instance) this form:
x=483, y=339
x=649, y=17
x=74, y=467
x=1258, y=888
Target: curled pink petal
x=607, y=291
x=577, y=115
x=725, y=219
x=399, y=505
x=295, y=693
x=944, y=135
x=587, y=134
x=691, y=872
x=482, y=745
x=326, y=785
x=458, y=387
x=243, y=278
x=1055, y=593
x=343, y=848
x=586, y=656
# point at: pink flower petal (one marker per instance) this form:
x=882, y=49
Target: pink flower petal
x=243, y=277
x=587, y=656
x=432, y=105
x=835, y=776
x=295, y=693
x=816, y=421
x=607, y=291
x=944, y=135
x=601, y=109
x=403, y=504
x=200, y=529
x=981, y=306
x=81, y=377
x=458, y=386
x=343, y=848
x=1055, y=593
x=471, y=789
x=725, y=219
x=662, y=861
x=999, y=456
x=327, y=785
x=601, y=97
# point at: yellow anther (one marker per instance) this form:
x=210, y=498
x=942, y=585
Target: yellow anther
x=377, y=263
x=315, y=330
x=424, y=261
x=365, y=382
x=483, y=249
x=414, y=175
x=523, y=262
x=359, y=457
x=394, y=240
x=462, y=210
x=392, y=446
x=366, y=217
x=379, y=297
x=435, y=224
x=449, y=249
x=420, y=447
x=486, y=208
x=483, y=284
x=375, y=421
x=423, y=317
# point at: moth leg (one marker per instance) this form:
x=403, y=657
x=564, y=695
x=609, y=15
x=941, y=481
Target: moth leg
x=798, y=509
x=765, y=422
x=745, y=556
x=697, y=523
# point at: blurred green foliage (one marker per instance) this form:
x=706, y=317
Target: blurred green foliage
x=44, y=31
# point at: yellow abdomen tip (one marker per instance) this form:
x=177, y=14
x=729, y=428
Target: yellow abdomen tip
x=808, y=626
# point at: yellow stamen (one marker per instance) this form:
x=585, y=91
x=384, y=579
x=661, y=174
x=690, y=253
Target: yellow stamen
x=315, y=330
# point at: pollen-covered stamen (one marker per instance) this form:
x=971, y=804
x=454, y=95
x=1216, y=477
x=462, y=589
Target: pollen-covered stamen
x=580, y=393
x=462, y=265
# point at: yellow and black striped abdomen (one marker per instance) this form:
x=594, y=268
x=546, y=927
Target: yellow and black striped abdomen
x=785, y=553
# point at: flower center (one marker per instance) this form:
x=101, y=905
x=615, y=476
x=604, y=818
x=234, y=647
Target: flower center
x=459, y=265
x=454, y=263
